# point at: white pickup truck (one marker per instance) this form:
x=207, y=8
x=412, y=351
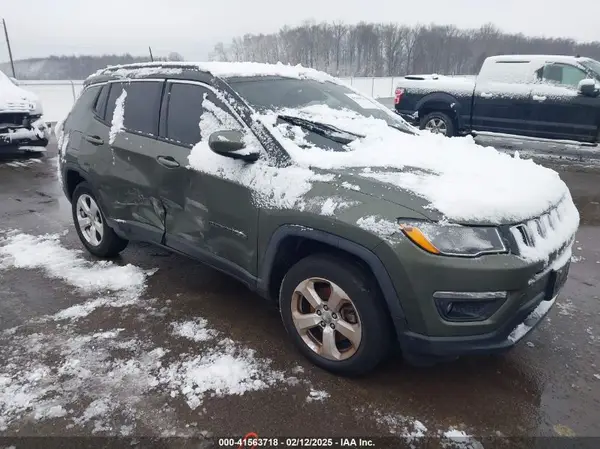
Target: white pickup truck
x=546, y=97
x=22, y=127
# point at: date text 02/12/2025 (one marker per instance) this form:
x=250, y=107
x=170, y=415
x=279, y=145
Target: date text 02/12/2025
x=253, y=441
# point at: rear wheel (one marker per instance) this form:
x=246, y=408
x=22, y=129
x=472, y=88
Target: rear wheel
x=97, y=237
x=333, y=312
x=438, y=123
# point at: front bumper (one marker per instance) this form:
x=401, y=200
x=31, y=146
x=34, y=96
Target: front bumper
x=26, y=138
x=524, y=321
x=425, y=330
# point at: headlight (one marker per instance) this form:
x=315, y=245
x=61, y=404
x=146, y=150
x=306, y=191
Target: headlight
x=453, y=240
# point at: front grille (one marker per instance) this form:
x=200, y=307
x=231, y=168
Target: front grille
x=545, y=238
x=13, y=118
x=16, y=106
x=531, y=231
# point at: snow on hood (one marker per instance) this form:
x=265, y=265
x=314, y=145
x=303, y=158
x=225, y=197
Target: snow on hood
x=14, y=98
x=462, y=180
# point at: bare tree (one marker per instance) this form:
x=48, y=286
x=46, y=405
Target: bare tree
x=371, y=49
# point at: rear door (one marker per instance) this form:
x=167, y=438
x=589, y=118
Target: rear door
x=559, y=111
x=126, y=137
x=207, y=217
x=502, y=98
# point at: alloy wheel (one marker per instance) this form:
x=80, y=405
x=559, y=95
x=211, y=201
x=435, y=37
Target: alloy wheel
x=437, y=126
x=89, y=220
x=326, y=319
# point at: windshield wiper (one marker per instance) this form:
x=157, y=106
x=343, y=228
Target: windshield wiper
x=328, y=131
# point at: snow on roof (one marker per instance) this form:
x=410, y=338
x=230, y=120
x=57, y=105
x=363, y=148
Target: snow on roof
x=534, y=58
x=219, y=69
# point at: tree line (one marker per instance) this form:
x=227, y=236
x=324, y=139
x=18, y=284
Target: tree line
x=388, y=49
x=73, y=67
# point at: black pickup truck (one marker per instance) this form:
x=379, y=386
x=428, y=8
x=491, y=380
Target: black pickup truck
x=545, y=97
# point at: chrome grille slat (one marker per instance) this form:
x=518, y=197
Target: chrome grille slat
x=541, y=227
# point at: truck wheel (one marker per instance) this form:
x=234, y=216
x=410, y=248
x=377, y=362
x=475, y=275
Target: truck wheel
x=332, y=310
x=97, y=237
x=438, y=123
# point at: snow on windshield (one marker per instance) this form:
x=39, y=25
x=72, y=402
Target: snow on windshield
x=462, y=180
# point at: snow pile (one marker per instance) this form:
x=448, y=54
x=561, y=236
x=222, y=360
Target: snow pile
x=195, y=330
x=118, y=117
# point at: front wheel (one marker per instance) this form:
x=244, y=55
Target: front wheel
x=97, y=237
x=438, y=123
x=333, y=311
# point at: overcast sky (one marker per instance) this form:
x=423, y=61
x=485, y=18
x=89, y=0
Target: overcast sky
x=39, y=28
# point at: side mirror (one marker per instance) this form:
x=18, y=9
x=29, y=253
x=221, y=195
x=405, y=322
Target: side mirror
x=231, y=144
x=587, y=87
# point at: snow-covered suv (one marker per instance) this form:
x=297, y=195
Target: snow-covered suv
x=365, y=230
x=21, y=124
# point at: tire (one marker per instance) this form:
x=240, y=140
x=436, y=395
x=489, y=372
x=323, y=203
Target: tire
x=434, y=118
x=108, y=244
x=370, y=317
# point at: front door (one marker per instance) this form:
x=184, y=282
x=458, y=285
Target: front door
x=501, y=107
x=559, y=111
x=126, y=179
x=207, y=217
x=502, y=98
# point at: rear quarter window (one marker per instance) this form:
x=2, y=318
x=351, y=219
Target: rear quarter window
x=82, y=106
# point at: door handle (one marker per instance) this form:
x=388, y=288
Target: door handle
x=539, y=98
x=94, y=140
x=167, y=161
x=486, y=95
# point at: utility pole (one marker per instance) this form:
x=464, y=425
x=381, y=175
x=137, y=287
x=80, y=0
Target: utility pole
x=150, y=50
x=12, y=64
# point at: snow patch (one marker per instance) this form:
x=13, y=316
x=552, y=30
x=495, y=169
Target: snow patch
x=45, y=252
x=459, y=439
x=317, y=395
x=195, y=330
x=118, y=118
x=378, y=225
x=222, y=370
x=408, y=429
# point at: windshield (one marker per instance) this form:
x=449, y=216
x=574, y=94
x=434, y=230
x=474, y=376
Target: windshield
x=283, y=93
x=592, y=65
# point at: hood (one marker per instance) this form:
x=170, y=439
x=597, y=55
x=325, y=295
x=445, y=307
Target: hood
x=14, y=98
x=443, y=178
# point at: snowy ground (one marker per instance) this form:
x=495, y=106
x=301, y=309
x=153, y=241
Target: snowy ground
x=157, y=345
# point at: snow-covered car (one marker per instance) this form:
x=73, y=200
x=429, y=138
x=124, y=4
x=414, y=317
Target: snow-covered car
x=21, y=122
x=365, y=230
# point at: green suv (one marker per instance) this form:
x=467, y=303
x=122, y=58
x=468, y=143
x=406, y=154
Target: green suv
x=367, y=232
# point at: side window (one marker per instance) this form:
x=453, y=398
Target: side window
x=142, y=106
x=85, y=102
x=115, y=92
x=100, y=106
x=561, y=74
x=194, y=112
